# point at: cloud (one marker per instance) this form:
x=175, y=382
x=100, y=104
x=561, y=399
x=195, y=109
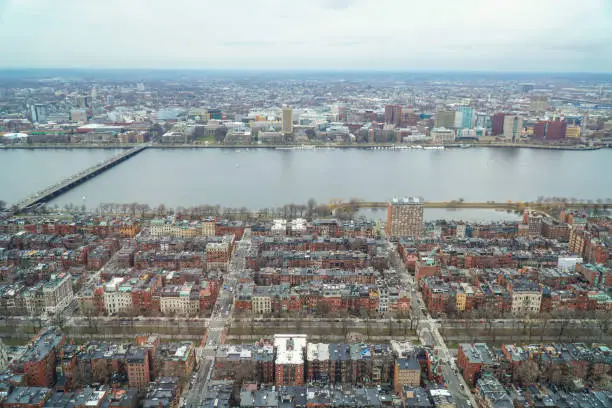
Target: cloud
x=410, y=35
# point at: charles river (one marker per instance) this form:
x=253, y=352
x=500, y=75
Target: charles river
x=259, y=178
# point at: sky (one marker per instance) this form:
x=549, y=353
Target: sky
x=442, y=35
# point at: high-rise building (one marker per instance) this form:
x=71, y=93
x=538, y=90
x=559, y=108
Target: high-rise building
x=342, y=114
x=467, y=117
x=444, y=119
x=287, y=121
x=513, y=127
x=483, y=121
x=82, y=101
x=458, y=119
x=497, y=124
x=38, y=113
x=405, y=217
x=393, y=114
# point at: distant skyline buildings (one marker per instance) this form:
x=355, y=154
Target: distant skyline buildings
x=467, y=116
x=287, y=123
x=393, y=114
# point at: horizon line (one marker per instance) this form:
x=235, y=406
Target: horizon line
x=281, y=69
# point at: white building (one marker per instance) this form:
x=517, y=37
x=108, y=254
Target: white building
x=57, y=293
x=163, y=228
x=526, y=299
x=442, y=135
x=513, y=128
x=261, y=303
x=178, y=300
x=279, y=227
x=290, y=349
x=117, y=298
x=461, y=229
x=298, y=226
x=569, y=262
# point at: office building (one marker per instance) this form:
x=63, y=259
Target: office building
x=572, y=132
x=444, y=119
x=497, y=124
x=287, y=126
x=483, y=121
x=539, y=130
x=467, y=117
x=405, y=217
x=38, y=113
x=82, y=101
x=556, y=129
x=513, y=127
x=393, y=114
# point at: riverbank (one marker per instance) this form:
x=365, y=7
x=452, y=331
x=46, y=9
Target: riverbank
x=299, y=147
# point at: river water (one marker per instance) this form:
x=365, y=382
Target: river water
x=26, y=171
x=260, y=178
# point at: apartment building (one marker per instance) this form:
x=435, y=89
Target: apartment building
x=405, y=217
x=57, y=292
x=290, y=349
x=183, y=300
x=117, y=296
x=137, y=368
x=406, y=371
x=526, y=298
x=37, y=364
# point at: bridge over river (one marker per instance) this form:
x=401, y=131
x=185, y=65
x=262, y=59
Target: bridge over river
x=63, y=186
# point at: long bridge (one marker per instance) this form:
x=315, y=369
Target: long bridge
x=494, y=205
x=63, y=186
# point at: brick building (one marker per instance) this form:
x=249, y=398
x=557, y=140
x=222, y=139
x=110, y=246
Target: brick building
x=290, y=349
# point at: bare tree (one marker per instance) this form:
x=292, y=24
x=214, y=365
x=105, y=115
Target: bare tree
x=528, y=372
x=100, y=370
x=603, y=323
x=312, y=204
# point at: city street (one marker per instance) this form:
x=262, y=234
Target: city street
x=222, y=313
x=429, y=335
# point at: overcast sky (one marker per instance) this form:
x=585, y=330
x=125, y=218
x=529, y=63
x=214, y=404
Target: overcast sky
x=500, y=35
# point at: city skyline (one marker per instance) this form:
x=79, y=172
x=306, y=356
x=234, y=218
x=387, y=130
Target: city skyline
x=320, y=35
